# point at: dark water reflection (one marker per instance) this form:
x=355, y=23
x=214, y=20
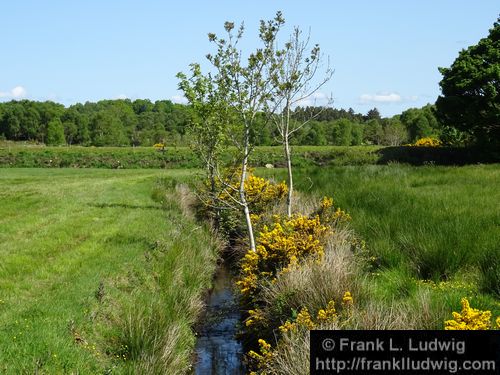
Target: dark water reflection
x=218, y=350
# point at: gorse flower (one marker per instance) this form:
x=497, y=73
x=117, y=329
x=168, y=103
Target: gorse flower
x=281, y=248
x=428, y=142
x=159, y=146
x=304, y=319
x=331, y=215
x=264, y=357
x=328, y=314
x=347, y=299
x=288, y=326
x=254, y=317
x=469, y=318
x=326, y=203
x=260, y=193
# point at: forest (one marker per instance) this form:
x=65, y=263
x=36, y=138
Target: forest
x=141, y=122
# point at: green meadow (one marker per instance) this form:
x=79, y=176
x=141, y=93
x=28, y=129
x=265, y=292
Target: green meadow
x=101, y=271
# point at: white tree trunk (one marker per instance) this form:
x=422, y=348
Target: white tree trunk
x=288, y=157
x=243, y=199
x=290, y=177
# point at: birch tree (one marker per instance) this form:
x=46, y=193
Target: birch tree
x=251, y=87
x=294, y=73
x=242, y=86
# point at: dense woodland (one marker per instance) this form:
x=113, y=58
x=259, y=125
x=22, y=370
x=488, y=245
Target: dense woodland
x=144, y=123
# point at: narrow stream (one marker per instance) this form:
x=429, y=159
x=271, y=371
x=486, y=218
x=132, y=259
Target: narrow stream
x=218, y=350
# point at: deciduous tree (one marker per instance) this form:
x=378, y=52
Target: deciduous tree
x=293, y=70
x=470, y=99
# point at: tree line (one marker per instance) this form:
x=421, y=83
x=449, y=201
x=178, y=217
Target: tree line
x=141, y=122
x=105, y=123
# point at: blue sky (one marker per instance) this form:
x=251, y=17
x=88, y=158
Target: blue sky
x=385, y=53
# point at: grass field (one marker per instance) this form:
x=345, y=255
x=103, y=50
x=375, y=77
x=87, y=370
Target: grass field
x=101, y=272
x=13, y=155
x=421, y=223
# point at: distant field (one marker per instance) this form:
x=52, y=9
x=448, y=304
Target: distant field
x=172, y=157
x=430, y=222
x=26, y=156
x=96, y=275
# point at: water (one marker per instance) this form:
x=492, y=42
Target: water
x=218, y=350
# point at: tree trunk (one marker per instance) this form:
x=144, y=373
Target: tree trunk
x=243, y=199
x=290, y=177
x=288, y=158
x=213, y=192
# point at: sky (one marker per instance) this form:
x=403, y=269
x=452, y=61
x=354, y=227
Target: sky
x=384, y=53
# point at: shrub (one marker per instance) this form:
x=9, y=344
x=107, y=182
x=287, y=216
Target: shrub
x=261, y=194
x=288, y=242
x=327, y=317
x=279, y=249
x=286, y=248
x=159, y=146
x=469, y=318
x=313, y=284
x=428, y=142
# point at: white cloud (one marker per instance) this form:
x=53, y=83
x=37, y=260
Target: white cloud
x=316, y=99
x=380, y=98
x=179, y=99
x=17, y=92
x=122, y=96
x=386, y=98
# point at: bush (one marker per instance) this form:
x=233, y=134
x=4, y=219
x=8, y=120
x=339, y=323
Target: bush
x=427, y=142
x=469, y=318
x=287, y=243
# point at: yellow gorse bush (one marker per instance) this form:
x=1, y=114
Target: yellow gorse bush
x=325, y=315
x=260, y=193
x=159, y=146
x=428, y=142
x=286, y=242
x=303, y=321
x=283, y=244
x=281, y=247
x=254, y=316
x=263, y=358
x=469, y=318
x=347, y=299
x=329, y=214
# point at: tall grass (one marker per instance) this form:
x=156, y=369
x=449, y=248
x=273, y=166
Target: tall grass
x=435, y=222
